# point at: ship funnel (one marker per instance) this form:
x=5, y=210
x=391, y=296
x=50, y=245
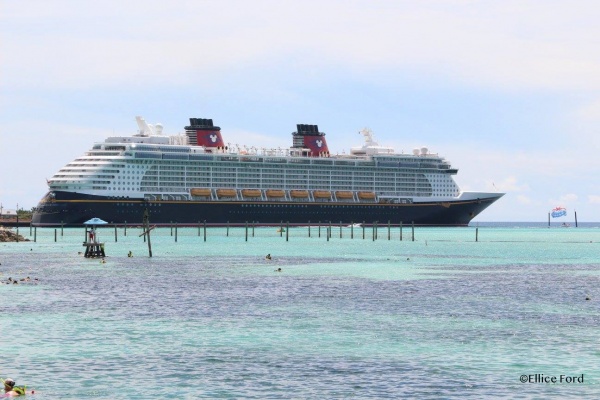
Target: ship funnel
x=309, y=137
x=202, y=132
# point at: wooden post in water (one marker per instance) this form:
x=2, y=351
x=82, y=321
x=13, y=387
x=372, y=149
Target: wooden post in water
x=287, y=231
x=340, y=229
x=281, y=229
x=329, y=231
x=61, y=230
x=171, y=228
x=198, y=228
x=477, y=234
x=35, y=234
x=253, y=225
x=413, y=231
x=30, y=228
x=351, y=229
x=115, y=233
x=575, y=219
x=125, y=229
x=227, y=227
x=389, y=230
x=308, y=228
x=400, y=230
x=55, y=235
x=373, y=231
x=246, y=231
x=205, y=230
x=319, y=228
x=363, y=226
x=147, y=230
x=175, y=232
x=548, y=220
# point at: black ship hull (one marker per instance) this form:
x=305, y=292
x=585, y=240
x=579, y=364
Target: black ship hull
x=73, y=209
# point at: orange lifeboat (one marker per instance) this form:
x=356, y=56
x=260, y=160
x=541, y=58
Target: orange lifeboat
x=205, y=192
x=251, y=193
x=321, y=194
x=344, y=195
x=366, y=195
x=299, y=194
x=226, y=193
x=275, y=193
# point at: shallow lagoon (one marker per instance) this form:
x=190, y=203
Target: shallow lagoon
x=442, y=316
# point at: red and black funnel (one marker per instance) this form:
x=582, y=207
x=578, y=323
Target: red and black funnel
x=309, y=137
x=202, y=132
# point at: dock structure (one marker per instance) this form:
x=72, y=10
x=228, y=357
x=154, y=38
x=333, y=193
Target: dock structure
x=94, y=250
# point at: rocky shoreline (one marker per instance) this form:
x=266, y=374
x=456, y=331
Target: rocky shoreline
x=7, y=235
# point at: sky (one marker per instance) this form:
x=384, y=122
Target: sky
x=507, y=91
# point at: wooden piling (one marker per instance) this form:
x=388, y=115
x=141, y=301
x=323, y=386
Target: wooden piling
x=205, y=230
x=125, y=229
x=55, y=235
x=246, y=231
x=575, y=219
x=35, y=234
x=389, y=230
x=115, y=233
x=400, y=230
x=363, y=226
x=175, y=232
x=61, y=229
x=477, y=234
x=308, y=228
x=413, y=231
x=147, y=229
x=340, y=229
x=351, y=229
x=287, y=231
x=319, y=228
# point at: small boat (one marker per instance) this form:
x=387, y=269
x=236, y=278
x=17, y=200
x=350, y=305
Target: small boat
x=366, y=195
x=275, y=193
x=299, y=194
x=251, y=193
x=202, y=192
x=226, y=193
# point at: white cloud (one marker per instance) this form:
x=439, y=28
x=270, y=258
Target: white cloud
x=524, y=199
x=510, y=184
x=593, y=199
x=505, y=45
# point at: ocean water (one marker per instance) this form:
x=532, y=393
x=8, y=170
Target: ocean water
x=443, y=316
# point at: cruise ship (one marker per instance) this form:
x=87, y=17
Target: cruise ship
x=196, y=177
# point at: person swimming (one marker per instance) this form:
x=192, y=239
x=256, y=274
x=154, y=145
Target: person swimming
x=10, y=390
x=268, y=257
x=130, y=254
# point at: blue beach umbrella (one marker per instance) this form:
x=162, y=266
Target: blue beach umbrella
x=95, y=221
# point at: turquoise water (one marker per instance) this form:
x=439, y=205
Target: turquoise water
x=443, y=316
